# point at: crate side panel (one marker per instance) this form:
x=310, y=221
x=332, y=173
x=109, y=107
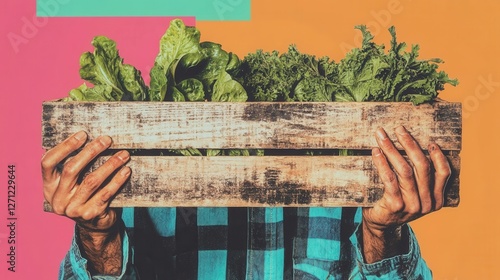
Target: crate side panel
x=322, y=181
x=166, y=125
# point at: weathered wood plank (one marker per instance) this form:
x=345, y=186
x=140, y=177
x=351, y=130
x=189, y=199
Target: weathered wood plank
x=168, y=125
x=303, y=181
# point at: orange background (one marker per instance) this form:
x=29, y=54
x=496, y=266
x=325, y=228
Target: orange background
x=457, y=243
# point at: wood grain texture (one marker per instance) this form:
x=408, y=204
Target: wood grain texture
x=168, y=125
x=256, y=181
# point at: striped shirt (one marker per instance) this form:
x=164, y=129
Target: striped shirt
x=248, y=243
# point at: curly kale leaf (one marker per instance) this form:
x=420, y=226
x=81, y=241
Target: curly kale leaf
x=291, y=76
x=370, y=74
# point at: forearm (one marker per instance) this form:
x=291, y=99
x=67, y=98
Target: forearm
x=383, y=244
x=103, y=250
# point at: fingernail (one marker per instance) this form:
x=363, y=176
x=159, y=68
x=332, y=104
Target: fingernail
x=376, y=151
x=381, y=134
x=80, y=135
x=123, y=155
x=125, y=171
x=401, y=130
x=432, y=147
x=105, y=140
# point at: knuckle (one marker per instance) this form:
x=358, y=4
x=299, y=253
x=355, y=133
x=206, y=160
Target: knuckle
x=104, y=198
x=406, y=171
x=424, y=165
x=88, y=215
x=46, y=162
x=99, y=144
x=389, y=177
x=91, y=181
x=72, y=211
x=407, y=140
x=59, y=209
x=397, y=205
x=414, y=208
x=439, y=205
x=114, y=162
x=444, y=172
x=70, y=169
x=426, y=209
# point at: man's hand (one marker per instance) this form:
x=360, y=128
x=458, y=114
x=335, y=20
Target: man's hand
x=87, y=203
x=412, y=190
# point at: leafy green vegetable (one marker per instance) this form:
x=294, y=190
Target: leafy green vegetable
x=187, y=70
x=113, y=80
x=177, y=41
x=364, y=74
x=97, y=93
x=228, y=90
x=369, y=74
x=291, y=76
x=192, y=89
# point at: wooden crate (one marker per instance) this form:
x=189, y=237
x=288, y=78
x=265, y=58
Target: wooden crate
x=284, y=179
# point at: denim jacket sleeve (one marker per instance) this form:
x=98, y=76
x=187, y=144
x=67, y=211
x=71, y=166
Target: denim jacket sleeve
x=406, y=266
x=74, y=266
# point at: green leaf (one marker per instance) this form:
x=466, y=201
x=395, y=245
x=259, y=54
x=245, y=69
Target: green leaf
x=215, y=65
x=158, y=83
x=104, y=67
x=228, y=90
x=192, y=89
x=132, y=81
x=177, y=41
x=97, y=93
x=313, y=89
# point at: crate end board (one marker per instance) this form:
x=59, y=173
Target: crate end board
x=275, y=181
x=251, y=125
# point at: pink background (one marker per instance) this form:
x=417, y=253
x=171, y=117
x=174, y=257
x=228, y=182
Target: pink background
x=46, y=67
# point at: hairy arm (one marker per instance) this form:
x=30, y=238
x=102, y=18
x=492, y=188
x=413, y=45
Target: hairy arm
x=103, y=250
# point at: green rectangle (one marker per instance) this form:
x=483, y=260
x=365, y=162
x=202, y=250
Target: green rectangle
x=201, y=9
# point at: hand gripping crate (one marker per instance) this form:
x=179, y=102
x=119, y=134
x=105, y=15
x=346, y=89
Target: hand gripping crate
x=283, y=176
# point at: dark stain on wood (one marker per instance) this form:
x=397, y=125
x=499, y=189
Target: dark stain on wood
x=273, y=112
x=268, y=112
x=274, y=191
x=447, y=114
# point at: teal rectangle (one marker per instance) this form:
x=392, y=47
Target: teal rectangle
x=323, y=249
x=334, y=212
x=216, y=10
x=274, y=261
x=212, y=264
x=163, y=220
x=128, y=217
x=212, y=216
